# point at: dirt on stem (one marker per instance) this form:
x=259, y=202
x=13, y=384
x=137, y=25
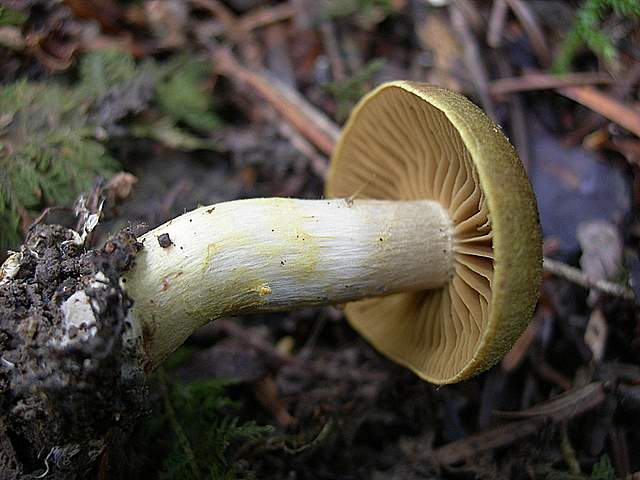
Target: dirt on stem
x=67, y=393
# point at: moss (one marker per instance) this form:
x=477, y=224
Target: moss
x=199, y=431
x=54, y=137
x=349, y=91
x=587, y=31
x=603, y=470
x=9, y=16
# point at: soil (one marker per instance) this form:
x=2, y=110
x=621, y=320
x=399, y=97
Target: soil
x=348, y=412
x=74, y=397
x=563, y=404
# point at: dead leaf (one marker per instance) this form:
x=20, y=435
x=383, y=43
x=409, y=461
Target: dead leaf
x=120, y=186
x=573, y=186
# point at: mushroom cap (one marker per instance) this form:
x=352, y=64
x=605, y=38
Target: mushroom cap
x=411, y=141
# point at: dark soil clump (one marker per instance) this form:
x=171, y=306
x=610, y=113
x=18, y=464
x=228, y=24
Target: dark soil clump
x=66, y=390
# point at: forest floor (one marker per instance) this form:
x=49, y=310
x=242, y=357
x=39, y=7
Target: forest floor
x=186, y=101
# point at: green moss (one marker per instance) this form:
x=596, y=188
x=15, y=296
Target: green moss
x=203, y=430
x=9, y=16
x=603, y=470
x=348, y=92
x=47, y=153
x=182, y=97
x=54, y=137
x=587, y=31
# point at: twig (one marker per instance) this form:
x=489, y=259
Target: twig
x=578, y=277
x=534, y=32
x=277, y=54
x=306, y=118
x=518, y=121
x=226, y=16
x=472, y=59
x=620, y=452
x=551, y=375
x=324, y=433
x=263, y=16
x=491, y=439
x=514, y=358
x=564, y=406
x=234, y=330
x=333, y=51
x=317, y=162
x=561, y=408
x=568, y=452
x=233, y=28
x=498, y=17
x=606, y=106
x=471, y=13
x=544, y=81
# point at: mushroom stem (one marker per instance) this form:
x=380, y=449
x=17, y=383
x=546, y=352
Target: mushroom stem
x=266, y=255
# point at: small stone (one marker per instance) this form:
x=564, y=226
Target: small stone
x=164, y=240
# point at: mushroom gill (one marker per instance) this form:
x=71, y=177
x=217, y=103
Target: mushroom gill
x=404, y=149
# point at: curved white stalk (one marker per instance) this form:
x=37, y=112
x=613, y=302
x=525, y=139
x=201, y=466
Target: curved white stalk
x=264, y=255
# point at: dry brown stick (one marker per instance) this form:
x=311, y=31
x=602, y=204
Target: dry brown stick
x=244, y=39
x=277, y=51
x=550, y=375
x=317, y=162
x=222, y=12
x=491, y=439
x=333, y=51
x=561, y=408
x=577, y=276
x=498, y=17
x=517, y=116
x=514, y=358
x=306, y=118
x=564, y=406
x=544, y=81
x=234, y=330
x=471, y=13
x=472, y=59
x=620, y=452
x=606, y=106
x=263, y=16
x=534, y=32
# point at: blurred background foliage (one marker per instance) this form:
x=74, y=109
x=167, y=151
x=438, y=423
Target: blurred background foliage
x=55, y=136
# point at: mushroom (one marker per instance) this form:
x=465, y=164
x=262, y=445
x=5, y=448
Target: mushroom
x=430, y=235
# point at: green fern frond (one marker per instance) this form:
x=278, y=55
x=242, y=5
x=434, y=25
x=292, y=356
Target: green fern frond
x=603, y=470
x=587, y=31
x=49, y=152
x=103, y=69
x=48, y=155
x=349, y=91
x=202, y=411
x=182, y=97
x=9, y=16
